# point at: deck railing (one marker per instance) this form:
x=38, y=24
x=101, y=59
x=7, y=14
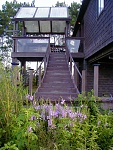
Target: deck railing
x=41, y=71
x=74, y=71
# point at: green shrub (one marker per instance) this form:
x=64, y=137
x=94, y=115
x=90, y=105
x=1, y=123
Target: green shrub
x=44, y=126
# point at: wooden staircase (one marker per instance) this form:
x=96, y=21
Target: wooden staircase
x=57, y=83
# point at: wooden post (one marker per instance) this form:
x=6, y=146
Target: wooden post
x=14, y=71
x=84, y=80
x=30, y=81
x=96, y=78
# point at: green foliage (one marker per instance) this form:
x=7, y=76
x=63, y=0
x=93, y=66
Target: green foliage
x=73, y=11
x=9, y=10
x=43, y=126
x=62, y=4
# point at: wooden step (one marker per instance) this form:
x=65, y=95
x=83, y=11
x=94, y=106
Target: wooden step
x=61, y=89
x=52, y=73
x=57, y=83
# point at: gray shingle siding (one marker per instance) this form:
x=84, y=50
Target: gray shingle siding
x=98, y=30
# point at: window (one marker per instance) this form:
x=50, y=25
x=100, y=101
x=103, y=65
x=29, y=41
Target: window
x=100, y=6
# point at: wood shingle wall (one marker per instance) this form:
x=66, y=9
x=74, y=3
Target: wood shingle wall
x=98, y=30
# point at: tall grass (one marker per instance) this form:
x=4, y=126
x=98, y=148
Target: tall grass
x=11, y=103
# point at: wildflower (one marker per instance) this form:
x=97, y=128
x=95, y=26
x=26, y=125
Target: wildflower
x=62, y=102
x=37, y=107
x=64, y=113
x=49, y=122
x=84, y=116
x=33, y=118
x=29, y=97
x=71, y=124
x=30, y=129
x=43, y=116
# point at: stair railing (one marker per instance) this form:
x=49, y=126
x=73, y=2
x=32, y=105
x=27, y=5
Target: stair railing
x=72, y=64
x=40, y=71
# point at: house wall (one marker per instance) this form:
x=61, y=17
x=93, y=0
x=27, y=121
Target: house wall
x=98, y=30
x=105, y=79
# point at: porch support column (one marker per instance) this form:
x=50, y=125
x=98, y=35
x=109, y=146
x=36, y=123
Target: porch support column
x=96, y=79
x=30, y=81
x=84, y=74
x=14, y=71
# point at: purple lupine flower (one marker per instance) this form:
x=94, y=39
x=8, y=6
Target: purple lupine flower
x=33, y=118
x=43, y=116
x=31, y=98
x=30, y=129
x=48, y=117
x=27, y=96
x=79, y=115
x=56, y=114
x=71, y=124
x=84, y=116
x=37, y=107
x=64, y=113
x=49, y=122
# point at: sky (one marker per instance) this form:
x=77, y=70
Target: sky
x=42, y=3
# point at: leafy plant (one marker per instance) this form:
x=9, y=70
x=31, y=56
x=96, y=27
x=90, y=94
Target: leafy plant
x=46, y=126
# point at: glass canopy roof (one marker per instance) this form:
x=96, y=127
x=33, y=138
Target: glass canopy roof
x=43, y=19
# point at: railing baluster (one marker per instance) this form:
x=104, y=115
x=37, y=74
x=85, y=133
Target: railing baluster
x=71, y=65
x=44, y=65
x=76, y=70
x=30, y=81
x=39, y=75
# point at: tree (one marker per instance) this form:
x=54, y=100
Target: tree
x=73, y=11
x=62, y=4
x=9, y=10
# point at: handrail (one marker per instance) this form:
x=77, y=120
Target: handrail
x=72, y=62
x=39, y=70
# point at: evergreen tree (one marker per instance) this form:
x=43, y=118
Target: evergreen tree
x=9, y=10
